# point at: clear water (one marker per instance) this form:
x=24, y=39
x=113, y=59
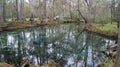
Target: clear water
x=62, y=42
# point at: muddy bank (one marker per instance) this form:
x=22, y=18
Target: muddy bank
x=3, y=64
x=22, y=25
x=26, y=63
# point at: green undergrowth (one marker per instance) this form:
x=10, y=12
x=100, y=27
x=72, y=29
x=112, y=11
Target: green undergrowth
x=35, y=19
x=2, y=63
x=106, y=28
x=15, y=24
x=2, y=24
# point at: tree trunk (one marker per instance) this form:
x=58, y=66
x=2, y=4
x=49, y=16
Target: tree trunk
x=78, y=8
x=89, y=4
x=21, y=9
x=17, y=15
x=44, y=1
x=85, y=19
x=4, y=11
x=63, y=7
x=53, y=15
x=40, y=10
x=1, y=10
x=117, y=62
x=70, y=10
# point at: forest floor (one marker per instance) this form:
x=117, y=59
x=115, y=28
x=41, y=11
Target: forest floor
x=107, y=30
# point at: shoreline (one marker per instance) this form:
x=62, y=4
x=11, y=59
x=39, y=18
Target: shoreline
x=23, y=25
x=106, y=34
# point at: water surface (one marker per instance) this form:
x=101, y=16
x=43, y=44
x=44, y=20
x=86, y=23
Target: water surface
x=63, y=43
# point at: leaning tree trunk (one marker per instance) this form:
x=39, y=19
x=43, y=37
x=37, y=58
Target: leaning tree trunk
x=85, y=19
x=88, y=20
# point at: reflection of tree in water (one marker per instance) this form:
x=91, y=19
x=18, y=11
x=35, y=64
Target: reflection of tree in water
x=57, y=42
x=9, y=52
x=40, y=46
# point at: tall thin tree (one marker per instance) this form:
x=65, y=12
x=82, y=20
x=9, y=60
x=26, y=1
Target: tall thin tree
x=17, y=14
x=4, y=11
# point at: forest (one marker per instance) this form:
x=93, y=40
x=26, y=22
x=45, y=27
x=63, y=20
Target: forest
x=59, y=33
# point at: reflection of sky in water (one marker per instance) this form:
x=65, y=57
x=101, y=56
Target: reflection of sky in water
x=50, y=50
x=71, y=62
x=10, y=39
x=89, y=56
x=58, y=43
